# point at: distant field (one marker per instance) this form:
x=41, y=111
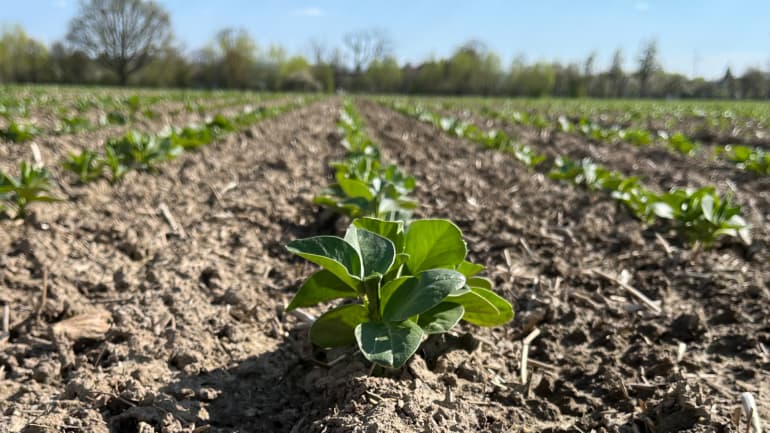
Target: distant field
x=143, y=260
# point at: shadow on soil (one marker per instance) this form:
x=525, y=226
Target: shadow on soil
x=277, y=391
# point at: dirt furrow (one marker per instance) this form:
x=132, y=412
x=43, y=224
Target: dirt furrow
x=658, y=167
x=609, y=361
x=189, y=267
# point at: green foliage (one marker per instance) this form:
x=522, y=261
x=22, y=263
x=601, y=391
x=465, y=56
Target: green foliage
x=32, y=185
x=137, y=151
x=18, y=132
x=363, y=185
x=680, y=143
x=494, y=139
x=116, y=118
x=71, y=125
x=701, y=215
x=87, y=165
x=134, y=103
x=747, y=158
x=637, y=137
x=407, y=282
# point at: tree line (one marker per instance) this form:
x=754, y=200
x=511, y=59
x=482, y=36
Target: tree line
x=130, y=42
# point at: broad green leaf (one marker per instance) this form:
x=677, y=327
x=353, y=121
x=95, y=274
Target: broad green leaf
x=396, y=268
x=333, y=254
x=421, y=293
x=390, y=345
x=336, y=327
x=325, y=200
x=355, y=188
x=484, y=307
x=355, y=206
x=387, y=290
x=441, y=318
x=377, y=253
x=393, y=230
x=469, y=269
x=321, y=286
x=484, y=283
x=434, y=244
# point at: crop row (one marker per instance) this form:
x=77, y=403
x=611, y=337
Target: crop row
x=408, y=278
x=725, y=120
x=593, y=130
x=133, y=151
x=126, y=110
x=745, y=157
x=698, y=214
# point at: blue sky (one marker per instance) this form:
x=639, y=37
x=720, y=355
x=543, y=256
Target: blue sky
x=694, y=36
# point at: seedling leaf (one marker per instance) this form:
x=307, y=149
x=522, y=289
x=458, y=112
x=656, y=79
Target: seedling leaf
x=421, y=293
x=336, y=327
x=333, y=254
x=390, y=345
x=441, y=318
x=321, y=286
x=434, y=244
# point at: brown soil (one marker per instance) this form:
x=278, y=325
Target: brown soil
x=55, y=148
x=659, y=168
x=146, y=328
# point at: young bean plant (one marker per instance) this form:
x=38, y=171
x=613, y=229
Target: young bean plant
x=32, y=185
x=405, y=282
x=86, y=165
x=363, y=185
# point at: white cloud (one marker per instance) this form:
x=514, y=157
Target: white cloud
x=642, y=6
x=308, y=12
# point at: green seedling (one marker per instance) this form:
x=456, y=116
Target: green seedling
x=32, y=185
x=637, y=137
x=134, y=103
x=18, y=132
x=747, y=158
x=681, y=144
x=114, y=163
x=405, y=282
x=141, y=152
x=497, y=140
x=86, y=165
x=115, y=118
x=364, y=187
x=701, y=215
x=71, y=125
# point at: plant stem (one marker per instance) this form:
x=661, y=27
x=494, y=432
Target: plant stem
x=372, y=289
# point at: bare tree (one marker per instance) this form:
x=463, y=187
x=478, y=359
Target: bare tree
x=367, y=45
x=123, y=35
x=616, y=75
x=648, y=66
x=318, y=51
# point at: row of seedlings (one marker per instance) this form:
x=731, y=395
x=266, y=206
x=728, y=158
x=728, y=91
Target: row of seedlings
x=744, y=157
x=401, y=279
x=586, y=128
x=699, y=215
x=137, y=151
x=118, y=112
x=133, y=151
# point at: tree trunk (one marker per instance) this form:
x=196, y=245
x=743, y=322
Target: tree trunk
x=123, y=76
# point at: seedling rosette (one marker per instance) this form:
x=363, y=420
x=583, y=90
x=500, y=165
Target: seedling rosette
x=32, y=185
x=406, y=282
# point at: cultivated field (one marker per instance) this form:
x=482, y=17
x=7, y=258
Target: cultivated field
x=145, y=274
